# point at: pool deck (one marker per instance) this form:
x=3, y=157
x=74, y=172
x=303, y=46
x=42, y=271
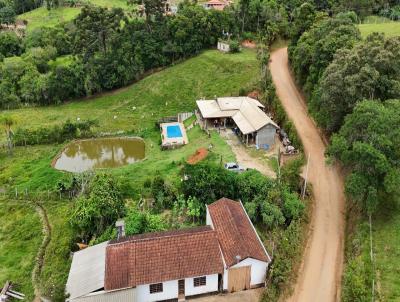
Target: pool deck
x=171, y=142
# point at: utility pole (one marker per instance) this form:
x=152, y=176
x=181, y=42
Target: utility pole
x=306, y=177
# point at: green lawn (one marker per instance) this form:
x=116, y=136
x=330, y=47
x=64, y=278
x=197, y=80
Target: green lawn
x=390, y=29
x=42, y=17
x=20, y=238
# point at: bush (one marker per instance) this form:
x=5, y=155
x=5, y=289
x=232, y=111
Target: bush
x=234, y=46
x=99, y=209
x=55, y=134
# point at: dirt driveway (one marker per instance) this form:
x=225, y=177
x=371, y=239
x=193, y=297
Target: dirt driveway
x=243, y=157
x=321, y=270
x=252, y=295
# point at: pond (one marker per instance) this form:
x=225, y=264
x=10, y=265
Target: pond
x=84, y=155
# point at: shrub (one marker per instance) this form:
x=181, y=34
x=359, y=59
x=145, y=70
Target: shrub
x=55, y=134
x=234, y=46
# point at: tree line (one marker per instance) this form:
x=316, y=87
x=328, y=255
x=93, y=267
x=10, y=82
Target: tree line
x=348, y=80
x=103, y=49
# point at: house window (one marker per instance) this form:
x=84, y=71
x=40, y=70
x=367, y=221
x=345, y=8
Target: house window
x=156, y=288
x=200, y=281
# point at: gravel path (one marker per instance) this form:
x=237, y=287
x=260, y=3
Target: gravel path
x=320, y=273
x=243, y=158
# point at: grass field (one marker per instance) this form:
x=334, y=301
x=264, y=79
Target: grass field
x=390, y=29
x=162, y=94
x=20, y=238
x=386, y=236
x=43, y=17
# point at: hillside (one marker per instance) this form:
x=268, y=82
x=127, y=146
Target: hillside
x=42, y=17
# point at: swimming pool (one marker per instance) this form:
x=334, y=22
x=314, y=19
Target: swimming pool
x=174, y=131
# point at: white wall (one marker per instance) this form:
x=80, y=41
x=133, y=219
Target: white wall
x=211, y=286
x=258, y=271
x=208, y=218
x=170, y=291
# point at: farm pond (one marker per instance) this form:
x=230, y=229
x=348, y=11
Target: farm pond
x=97, y=153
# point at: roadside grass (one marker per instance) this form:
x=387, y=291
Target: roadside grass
x=386, y=238
x=43, y=17
x=359, y=270
x=20, y=238
x=390, y=29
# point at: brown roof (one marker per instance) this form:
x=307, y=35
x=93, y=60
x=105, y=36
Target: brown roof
x=162, y=256
x=235, y=232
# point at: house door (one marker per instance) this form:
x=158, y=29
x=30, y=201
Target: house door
x=239, y=278
x=181, y=288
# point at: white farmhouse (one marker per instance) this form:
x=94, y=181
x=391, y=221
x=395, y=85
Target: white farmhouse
x=224, y=255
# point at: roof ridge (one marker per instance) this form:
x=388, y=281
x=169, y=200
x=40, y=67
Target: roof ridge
x=202, y=229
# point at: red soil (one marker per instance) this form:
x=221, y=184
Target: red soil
x=249, y=44
x=198, y=156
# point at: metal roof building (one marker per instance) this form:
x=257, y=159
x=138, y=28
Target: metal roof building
x=87, y=271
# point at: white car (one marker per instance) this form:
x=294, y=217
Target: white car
x=234, y=167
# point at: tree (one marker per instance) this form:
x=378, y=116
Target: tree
x=10, y=44
x=367, y=144
x=368, y=71
x=154, y=10
x=7, y=15
x=208, y=182
x=99, y=209
x=304, y=17
x=137, y=222
x=315, y=49
x=271, y=215
x=96, y=28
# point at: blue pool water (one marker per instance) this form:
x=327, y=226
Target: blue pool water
x=174, y=131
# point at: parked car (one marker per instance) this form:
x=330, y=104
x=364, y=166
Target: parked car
x=234, y=167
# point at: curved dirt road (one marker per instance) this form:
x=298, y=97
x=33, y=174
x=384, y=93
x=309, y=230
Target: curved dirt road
x=320, y=273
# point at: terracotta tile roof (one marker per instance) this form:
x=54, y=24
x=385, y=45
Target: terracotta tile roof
x=162, y=256
x=235, y=232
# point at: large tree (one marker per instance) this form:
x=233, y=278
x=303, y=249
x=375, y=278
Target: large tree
x=371, y=70
x=99, y=209
x=96, y=29
x=368, y=144
x=316, y=48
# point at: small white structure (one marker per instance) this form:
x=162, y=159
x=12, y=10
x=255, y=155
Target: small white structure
x=223, y=46
x=224, y=255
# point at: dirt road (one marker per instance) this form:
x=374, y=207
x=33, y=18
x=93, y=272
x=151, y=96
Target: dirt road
x=320, y=273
